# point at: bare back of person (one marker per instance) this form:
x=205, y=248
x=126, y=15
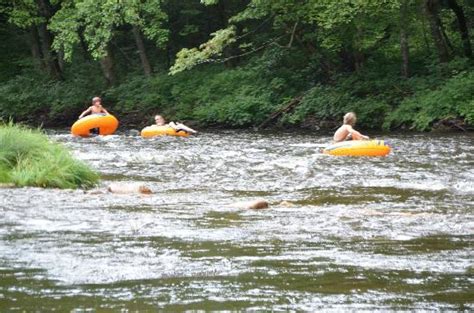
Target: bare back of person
x=346, y=131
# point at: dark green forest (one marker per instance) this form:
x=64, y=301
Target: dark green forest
x=399, y=64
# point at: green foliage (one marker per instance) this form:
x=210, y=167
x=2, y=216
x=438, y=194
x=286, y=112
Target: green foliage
x=452, y=99
x=209, y=2
x=329, y=104
x=232, y=97
x=28, y=97
x=4, y=175
x=215, y=95
x=96, y=21
x=259, y=54
x=22, y=13
x=188, y=58
x=370, y=112
x=139, y=96
x=239, y=104
x=322, y=102
x=28, y=158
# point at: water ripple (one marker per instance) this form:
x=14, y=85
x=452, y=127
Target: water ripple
x=340, y=234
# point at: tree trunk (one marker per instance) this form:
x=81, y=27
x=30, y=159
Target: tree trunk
x=60, y=56
x=107, y=66
x=50, y=57
x=169, y=56
x=463, y=29
x=447, y=42
x=35, y=45
x=358, y=55
x=347, y=59
x=431, y=11
x=221, y=10
x=141, y=50
x=232, y=50
x=359, y=60
x=423, y=29
x=45, y=8
x=82, y=43
x=404, y=48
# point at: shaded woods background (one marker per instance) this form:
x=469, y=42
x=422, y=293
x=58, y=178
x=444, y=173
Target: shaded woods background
x=397, y=63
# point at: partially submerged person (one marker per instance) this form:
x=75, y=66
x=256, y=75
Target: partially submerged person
x=346, y=131
x=160, y=121
x=95, y=108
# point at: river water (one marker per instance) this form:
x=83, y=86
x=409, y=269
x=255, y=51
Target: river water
x=393, y=233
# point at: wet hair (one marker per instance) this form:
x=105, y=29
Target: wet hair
x=350, y=118
x=144, y=189
x=95, y=99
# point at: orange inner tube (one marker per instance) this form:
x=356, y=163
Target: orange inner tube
x=358, y=148
x=155, y=130
x=106, y=123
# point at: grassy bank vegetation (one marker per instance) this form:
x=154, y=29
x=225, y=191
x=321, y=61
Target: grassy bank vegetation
x=28, y=158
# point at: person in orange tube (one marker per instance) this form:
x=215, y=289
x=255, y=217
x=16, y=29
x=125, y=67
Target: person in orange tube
x=95, y=108
x=160, y=121
x=346, y=131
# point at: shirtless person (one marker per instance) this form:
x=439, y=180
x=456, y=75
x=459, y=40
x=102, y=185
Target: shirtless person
x=346, y=132
x=95, y=108
x=160, y=121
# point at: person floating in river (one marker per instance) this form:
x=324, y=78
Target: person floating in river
x=95, y=108
x=346, y=132
x=160, y=121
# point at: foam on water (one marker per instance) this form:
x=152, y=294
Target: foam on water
x=354, y=233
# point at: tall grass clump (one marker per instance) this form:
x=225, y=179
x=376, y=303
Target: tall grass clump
x=28, y=158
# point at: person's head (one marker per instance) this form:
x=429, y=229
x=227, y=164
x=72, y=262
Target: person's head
x=350, y=118
x=159, y=120
x=96, y=101
x=144, y=190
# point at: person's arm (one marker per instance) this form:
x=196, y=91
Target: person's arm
x=179, y=126
x=342, y=133
x=186, y=128
x=173, y=125
x=356, y=135
x=85, y=112
x=105, y=111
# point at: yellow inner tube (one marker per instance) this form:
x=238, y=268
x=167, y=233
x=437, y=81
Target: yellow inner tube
x=155, y=130
x=106, y=123
x=358, y=148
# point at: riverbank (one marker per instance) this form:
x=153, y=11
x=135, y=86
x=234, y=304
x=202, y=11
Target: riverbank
x=438, y=97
